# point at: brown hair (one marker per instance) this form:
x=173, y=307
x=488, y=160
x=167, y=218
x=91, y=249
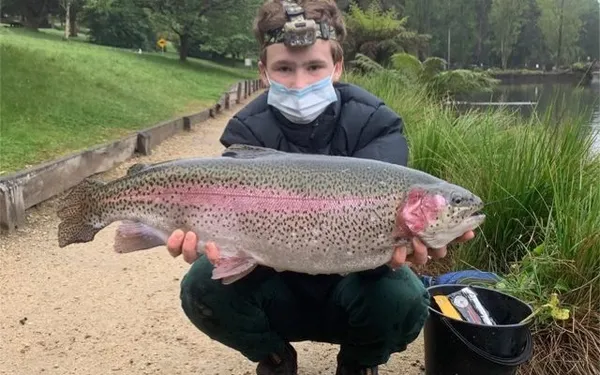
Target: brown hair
x=271, y=15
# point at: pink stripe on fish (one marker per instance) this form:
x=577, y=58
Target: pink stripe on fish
x=244, y=199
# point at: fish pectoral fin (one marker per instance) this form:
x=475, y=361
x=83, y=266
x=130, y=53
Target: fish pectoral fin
x=132, y=236
x=241, y=151
x=231, y=269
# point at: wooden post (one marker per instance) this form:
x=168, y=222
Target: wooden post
x=12, y=205
x=238, y=100
x=143, y=143
x=187, y=124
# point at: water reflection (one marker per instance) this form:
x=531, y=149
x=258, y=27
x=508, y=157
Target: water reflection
x=562, y=99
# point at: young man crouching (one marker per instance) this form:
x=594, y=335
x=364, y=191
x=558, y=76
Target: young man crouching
x=306, y=109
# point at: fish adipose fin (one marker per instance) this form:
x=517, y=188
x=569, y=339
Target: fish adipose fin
x=76, y=211
x=132, y=236
x=241, y=151
x=232, y=269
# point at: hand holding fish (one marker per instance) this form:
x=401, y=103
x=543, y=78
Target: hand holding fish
x=421, y=253
x=181, y=243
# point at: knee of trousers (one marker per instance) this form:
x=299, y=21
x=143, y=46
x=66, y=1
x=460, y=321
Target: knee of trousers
x=196, y=291
x=211, y=305
x=229, y=314
x=392, y=308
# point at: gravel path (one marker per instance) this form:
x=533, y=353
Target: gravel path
x=87, y=310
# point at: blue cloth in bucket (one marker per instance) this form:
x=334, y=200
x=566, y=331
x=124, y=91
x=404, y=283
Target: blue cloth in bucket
x=460, y=277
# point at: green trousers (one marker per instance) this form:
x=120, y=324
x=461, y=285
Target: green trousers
x=370, y=316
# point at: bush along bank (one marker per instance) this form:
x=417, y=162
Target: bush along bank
x=540, y=181
x=577, y=73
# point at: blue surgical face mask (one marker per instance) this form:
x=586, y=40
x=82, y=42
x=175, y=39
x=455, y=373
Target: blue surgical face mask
x=304, y=105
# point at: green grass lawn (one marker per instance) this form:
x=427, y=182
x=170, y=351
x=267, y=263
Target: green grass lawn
x=57, y=97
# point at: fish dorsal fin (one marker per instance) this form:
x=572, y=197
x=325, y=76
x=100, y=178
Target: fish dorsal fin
x=135, y=168
x=241, y=151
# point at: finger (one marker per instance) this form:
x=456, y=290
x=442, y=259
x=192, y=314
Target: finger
x=398, y=258
x=438, y=253
x=190, y=242
x=419, y=255
x=212, y=252
x=465, y=237
x=174, y=243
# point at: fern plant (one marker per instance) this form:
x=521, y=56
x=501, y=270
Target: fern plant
x=378, y=34
x=441, y=83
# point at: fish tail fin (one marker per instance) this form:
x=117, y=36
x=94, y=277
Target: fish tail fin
x=76, y=211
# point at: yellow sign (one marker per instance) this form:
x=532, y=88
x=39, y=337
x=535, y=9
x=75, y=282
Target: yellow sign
x=162, y=43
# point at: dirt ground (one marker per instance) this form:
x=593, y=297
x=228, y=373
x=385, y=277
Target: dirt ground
x=87, y=310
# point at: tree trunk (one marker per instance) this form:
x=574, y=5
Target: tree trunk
x=184, y=42
x=482, y=11
x=503, y=54
x=67, y=19
x=449, y=43
x=560, y=27
x=73, y=21
x=34, y=13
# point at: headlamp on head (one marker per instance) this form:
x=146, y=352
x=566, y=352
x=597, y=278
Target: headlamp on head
x=299, y=31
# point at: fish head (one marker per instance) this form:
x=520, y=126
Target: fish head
x=439, y=213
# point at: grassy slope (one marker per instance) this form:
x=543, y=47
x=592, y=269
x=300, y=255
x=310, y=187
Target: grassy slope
x=57, y=97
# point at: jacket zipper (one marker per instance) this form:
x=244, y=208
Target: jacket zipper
x=312, y=137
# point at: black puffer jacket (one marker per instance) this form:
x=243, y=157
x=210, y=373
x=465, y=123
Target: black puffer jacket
x=358, y=125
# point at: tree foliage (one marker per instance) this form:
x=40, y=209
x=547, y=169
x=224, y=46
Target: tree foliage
x=187, y=18
x=119, y=23
x=560, y=22
x=462, y=32
x=230, y=32
x=465, y=33
x=440, y=83
x=364, y=65
x=506, y=19
x=378, y=33
x=34, y=13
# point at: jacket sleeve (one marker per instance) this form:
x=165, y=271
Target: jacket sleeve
x=237, y=131
x=382, y=138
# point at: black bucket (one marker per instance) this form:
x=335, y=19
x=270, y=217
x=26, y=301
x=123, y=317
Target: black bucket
x=454, y=347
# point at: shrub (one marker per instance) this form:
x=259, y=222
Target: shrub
x=118, y=23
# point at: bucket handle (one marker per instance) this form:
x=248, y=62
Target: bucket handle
x=522, y=358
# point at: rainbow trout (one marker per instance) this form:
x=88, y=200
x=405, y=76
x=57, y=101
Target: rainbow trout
x=306, y=213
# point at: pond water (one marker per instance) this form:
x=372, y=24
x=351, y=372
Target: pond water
x=563, y=98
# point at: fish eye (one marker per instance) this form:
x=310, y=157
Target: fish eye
x=456, y=199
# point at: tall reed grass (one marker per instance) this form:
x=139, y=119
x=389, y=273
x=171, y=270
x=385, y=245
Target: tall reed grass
x=540, y=179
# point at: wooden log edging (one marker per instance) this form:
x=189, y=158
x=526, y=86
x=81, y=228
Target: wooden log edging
x=24, y=189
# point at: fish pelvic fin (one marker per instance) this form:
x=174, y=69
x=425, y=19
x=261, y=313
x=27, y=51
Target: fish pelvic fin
x=76, y=210
x=232, y=269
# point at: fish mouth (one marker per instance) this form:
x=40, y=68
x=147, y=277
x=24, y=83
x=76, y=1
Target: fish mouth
x=476, y=219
